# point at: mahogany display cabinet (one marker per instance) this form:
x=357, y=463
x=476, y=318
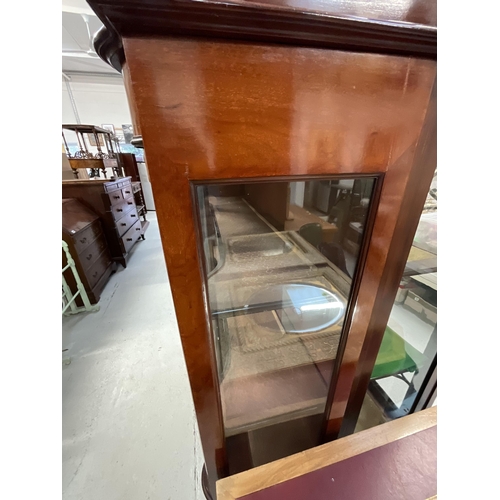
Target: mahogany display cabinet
x=291, y=146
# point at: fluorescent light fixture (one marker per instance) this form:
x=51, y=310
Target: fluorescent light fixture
x=321, y=307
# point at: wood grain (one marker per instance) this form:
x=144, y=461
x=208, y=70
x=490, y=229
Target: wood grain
x=407, y=28
x=98, y=195
x=212, y=111
x=238, y=485
x=131, y=101
x=410, y=176
x=259, y=111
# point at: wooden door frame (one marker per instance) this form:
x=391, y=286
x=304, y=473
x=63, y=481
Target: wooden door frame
x=423, y=166
x=180, y=155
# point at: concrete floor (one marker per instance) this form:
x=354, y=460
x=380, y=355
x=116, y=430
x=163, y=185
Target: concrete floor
x=129, y=428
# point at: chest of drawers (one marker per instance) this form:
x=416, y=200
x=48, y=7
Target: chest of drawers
x=239, y=99
x=123, y=211
x=82, y=231
x=114, y=203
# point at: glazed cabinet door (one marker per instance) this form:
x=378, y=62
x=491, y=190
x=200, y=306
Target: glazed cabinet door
x=288, y=184
x=279, y=262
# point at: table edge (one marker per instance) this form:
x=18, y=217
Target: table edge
x=259, y=478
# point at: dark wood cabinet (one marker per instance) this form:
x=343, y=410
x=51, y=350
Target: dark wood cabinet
x=115, y=204
x=82, y=231
x=282, y=297
x=128, y=163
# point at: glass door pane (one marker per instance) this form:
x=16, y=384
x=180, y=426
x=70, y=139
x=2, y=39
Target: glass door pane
x=407, y=356
x=280, y=259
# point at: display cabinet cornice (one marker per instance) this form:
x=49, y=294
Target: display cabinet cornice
x=290, y=151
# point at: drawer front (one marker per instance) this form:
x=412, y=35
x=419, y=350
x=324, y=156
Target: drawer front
x=120, y=209
x=130, y=202
x=127, y=221
x=92, y=252
x=97, y=269
x=127, y=192
x=84, y=238
x=116, y=197
x=113, y=186
x=131, y=236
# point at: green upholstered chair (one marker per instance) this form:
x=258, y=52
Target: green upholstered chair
x=396, y=356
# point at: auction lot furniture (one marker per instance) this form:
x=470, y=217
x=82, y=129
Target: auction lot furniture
x=241, y=107
x=114, y=203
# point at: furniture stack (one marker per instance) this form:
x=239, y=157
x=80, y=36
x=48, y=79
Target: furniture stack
x=83, y=233
x=115, y=204
x=130, y=168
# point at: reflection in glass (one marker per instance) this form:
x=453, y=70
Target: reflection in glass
x=297, y=308
x=408, y=350
x=279, y=258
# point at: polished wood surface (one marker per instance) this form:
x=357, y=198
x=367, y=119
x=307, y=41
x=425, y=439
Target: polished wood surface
x=372, y=312
x=114, y=203
x=82, y=231
x=253, y=112
x=403, y=469
x=403, y=195
x=306, y=462
x=130, y=169
x=421, y=12
x=131, y=101
x=259, y=111
x=406, y=28
x=129, y=165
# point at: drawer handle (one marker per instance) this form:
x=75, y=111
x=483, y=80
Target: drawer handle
x=95, y=274
x=132, y=215
x=128, y=192
x=137, y=228
x=130, y=202
x=89, y=256
x=129, y=239
x=119, y=209
x=116, y=197
x=123, y=223
x=83, y=240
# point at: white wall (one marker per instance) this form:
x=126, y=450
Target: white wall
x=297, y=190
x=102, y=100
x=99, y=99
